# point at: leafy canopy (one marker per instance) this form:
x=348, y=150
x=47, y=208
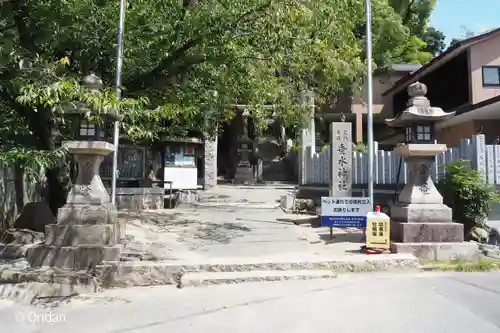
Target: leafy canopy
x=185, y=62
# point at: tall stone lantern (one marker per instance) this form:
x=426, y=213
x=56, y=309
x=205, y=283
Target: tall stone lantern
x=87, y=232
x=420, y=223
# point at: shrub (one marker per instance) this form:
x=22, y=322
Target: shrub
x=361, y=147
x=469, y=196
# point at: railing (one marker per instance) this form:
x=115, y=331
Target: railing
x=389, y=169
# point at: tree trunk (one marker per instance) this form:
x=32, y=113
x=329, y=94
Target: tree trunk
x=19, y=186
x=56, y=192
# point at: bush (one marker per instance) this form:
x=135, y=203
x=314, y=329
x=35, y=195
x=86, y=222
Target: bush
x=470, y=197
x=361, y=147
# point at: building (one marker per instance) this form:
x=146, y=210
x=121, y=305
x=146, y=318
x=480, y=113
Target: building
x=354, y=107
x=466, y=79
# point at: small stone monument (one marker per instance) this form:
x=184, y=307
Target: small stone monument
x=87, y=232
x=420, y=223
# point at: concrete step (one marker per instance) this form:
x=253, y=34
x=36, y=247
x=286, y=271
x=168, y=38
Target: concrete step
x=147, y=273
x=246, y=205
x=212, y=278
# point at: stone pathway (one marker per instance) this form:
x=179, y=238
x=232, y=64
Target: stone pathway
x=230, y=222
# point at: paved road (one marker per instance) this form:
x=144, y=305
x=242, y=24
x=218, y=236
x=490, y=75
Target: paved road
x=427, y=302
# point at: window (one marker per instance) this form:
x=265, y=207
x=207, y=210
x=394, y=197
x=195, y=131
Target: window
x=423, y=133
x=491, y=76
x=87, y=129
x=408, y=134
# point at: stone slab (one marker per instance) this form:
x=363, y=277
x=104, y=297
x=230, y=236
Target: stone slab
x=146, y=273
x=137, y=199
x=244, y=175
x=89, y=147
x=75, y=235
x=438, y=251
x=13, y=251
x=72, y=257
x=211, y=278
x=87, y=214
x=407, y=232
x=426, y=213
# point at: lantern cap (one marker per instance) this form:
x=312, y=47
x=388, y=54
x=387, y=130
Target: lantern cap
x=419, y=109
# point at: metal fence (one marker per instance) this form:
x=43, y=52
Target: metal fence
x=390, y=169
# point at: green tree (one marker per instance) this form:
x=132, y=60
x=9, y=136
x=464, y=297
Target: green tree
x=415, y=15
x=184, y=63
x=434, y=40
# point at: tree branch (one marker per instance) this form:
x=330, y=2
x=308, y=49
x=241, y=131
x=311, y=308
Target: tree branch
x=20, y=14
x=167, y=63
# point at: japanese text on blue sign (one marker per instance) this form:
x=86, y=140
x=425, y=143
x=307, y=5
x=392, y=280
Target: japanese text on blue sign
x=344, y=212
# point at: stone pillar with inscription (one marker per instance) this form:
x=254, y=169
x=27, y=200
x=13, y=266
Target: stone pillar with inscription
x=341, y=159
x=420, y=223
x=87, y=232
x=307, y=137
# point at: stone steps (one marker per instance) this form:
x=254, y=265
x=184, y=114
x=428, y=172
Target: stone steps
x=213, y=278
x=146, y=273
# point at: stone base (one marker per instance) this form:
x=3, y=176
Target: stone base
x=30, y=286
x=438, y=251
x=13, y=251
x=72, y=257
x=407, y=232
x=87, y=214
x=78, y=235
x=426, y=213
x=244, y=175
x=137, y=199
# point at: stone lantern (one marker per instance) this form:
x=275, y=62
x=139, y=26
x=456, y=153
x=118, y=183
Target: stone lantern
x=244, y=170
x=87, y=233
x=420, y=223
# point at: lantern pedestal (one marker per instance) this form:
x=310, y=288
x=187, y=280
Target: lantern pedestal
x=420, y=223
x=87, y=232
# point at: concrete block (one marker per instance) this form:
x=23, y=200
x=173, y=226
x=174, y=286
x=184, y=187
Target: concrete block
x=426, y=213
x=75, y=235
x=87, y=257
x=72, y=257
x=287, y=201
x=87, y=214
x=51, y=256
x=438, y=251
x=13, y=251
x=407, y=232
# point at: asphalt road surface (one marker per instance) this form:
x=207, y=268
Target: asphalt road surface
x=420, y=303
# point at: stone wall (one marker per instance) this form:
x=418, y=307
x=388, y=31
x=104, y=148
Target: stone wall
x=210, y=168
x=136, y=199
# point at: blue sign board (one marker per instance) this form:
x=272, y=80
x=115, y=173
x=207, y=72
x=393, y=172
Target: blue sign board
x=345, y=212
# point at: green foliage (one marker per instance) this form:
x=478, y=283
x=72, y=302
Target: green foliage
x=469, y=196
x=361, y=147
x=185, y=64
x=415, y=16
x=434, y=40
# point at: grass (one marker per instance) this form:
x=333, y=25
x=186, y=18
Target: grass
x=457, y=265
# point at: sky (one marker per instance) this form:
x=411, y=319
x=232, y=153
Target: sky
x=450, y=16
